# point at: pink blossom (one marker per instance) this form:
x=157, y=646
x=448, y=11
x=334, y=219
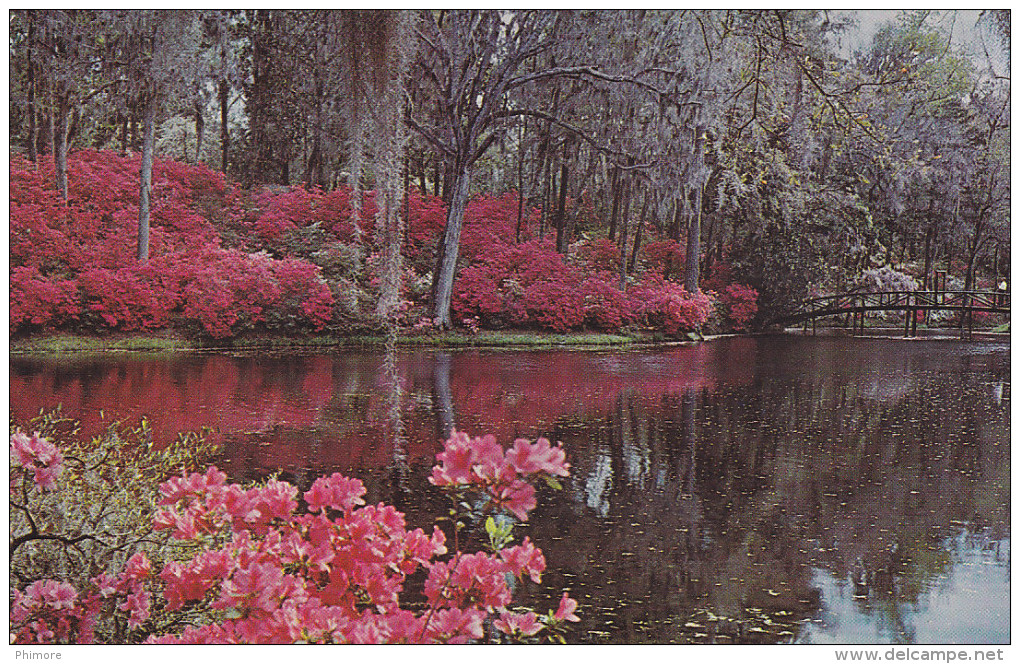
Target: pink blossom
x=525, y=558
x=51, y=593
x=337, y=492
x=518, y=497
x=566, y=609
x=138, y=566
x=457, y=459
x=38, y=455
x=538, y=457
x=46, y=478
x=518, y=624
x=456, y=625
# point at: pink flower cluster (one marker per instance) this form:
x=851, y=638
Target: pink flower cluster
x=504, y=479
x=50, y=611
x=332, y=573
x=38, y=455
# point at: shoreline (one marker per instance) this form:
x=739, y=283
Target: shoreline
x=59, y=344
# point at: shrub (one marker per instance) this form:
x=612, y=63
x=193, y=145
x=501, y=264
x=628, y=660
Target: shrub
x=664, y=256
x=667, y=306
x=605, y=306
x=259, y=569
x=740, y=304
x=126, y=299
x=886, y=278
x=77, y=508
x=37, y=301
x=525, y=284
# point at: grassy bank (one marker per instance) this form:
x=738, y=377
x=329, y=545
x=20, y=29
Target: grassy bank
x=167, y=342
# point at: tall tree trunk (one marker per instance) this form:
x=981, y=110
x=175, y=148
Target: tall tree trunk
x=926, y=274
x=436, y=177
x=561, y=210
x=33, y=129
x=614, y=215
x=446, y=264
x=624, y=231
x=674, y=234
x=199, y=130
x=638, y=232
x=60, y=131
x=224, y=127
x=691, y=266
x=973, y=250
x=520, y=181
x=123, y=135
x=145, y=189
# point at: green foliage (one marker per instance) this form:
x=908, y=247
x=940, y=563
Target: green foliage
x=100, y=513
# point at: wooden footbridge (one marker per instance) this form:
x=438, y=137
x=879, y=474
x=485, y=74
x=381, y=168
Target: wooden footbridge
x=854, y=306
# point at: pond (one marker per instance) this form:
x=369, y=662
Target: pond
x=748, y=490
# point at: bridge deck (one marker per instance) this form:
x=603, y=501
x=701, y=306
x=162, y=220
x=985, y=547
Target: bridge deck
x=858, y=304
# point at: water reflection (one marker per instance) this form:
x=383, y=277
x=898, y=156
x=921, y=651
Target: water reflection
x=749, y=490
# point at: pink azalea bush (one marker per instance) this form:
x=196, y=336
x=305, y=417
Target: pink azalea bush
x=740, y=304
x=272, y=564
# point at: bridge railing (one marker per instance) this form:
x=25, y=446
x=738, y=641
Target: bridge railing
x=857, y=302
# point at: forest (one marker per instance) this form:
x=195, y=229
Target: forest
x=227, y=172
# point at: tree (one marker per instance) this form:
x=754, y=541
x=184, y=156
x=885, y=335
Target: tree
x=155, y=52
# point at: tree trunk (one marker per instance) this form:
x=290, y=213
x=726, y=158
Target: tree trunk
x=674, y=234
x=123, y=135
x=624, y=230
x=561, y=209
x=199, y=131
x=60, y=129
x=446, y=263
x=33, y=129
x=691, y=266
x=926, y=274
x=637, y=234
x=614, y=215
x=437, y=176
x=145, y=189
x=224, y=127
x=520, y=181
x=974, y=250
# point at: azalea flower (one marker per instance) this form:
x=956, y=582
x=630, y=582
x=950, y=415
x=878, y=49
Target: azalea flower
x=518, y=624
x=566, y=609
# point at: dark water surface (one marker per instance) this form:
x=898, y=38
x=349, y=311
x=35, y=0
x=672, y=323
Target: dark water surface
x=747, y=490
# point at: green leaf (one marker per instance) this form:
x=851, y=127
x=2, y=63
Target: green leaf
x=490, y=527
x=553, y=482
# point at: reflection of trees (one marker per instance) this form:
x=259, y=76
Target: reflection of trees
x=442, y=396
x=788, y=476
x=708, y=483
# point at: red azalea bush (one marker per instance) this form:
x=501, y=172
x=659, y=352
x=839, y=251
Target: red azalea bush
x=605, y=306
x=740, y=304
x=75, y=261
x=667, y=306
x=286, y=259
x=490, y=225
x=525, y=284
x=270, y=564
x=233, y=291
x=603, y=255
x=40, y=302
x=664, y=256
x=126, y=298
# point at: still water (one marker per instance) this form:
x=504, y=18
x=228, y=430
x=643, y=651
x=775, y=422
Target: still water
x=749, y=490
